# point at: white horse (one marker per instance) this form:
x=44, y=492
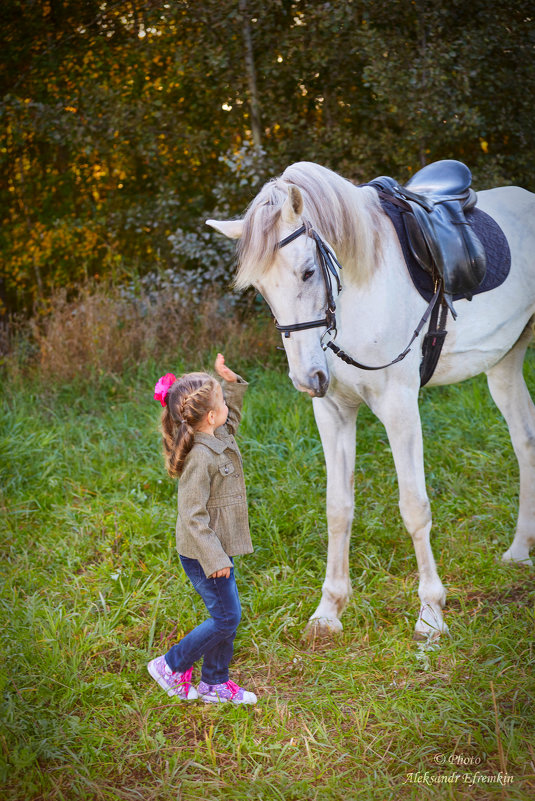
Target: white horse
x=377, y=310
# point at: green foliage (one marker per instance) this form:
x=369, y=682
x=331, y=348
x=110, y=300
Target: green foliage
x=125, y=125
x=91, y=589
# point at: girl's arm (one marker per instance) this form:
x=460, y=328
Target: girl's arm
x=225, y=372
x=234, y=393
x=234, y=388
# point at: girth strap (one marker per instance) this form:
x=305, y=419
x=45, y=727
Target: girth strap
x=432, y=344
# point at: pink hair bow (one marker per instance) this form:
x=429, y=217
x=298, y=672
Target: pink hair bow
x=162, y=387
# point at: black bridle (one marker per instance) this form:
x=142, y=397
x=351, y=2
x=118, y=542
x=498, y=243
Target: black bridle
x=328, y=263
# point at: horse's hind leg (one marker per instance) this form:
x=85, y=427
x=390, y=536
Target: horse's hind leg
x=510, y=393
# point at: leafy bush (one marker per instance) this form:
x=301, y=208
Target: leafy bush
x=211, y=255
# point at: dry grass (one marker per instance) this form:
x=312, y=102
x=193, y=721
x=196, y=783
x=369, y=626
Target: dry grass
x=105, y=331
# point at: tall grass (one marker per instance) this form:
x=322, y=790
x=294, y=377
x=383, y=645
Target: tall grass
x=105, y=330
x=92, y=589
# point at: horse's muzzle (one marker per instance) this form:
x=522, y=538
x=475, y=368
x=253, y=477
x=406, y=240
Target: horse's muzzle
x=316, y=385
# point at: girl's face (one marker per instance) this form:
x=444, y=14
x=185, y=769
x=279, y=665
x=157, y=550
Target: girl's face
x=220, y=410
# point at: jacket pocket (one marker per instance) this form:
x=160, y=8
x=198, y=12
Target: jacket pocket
x=226, y=469
x=225, y=500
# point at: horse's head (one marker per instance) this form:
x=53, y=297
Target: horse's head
x=289, y=278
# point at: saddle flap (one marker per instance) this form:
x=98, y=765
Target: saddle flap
x=443, y=242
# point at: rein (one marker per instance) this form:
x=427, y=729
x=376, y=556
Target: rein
x=328, y=263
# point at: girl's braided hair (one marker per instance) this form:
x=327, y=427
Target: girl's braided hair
x=189, y=399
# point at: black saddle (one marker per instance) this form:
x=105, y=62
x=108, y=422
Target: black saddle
x=440, y=238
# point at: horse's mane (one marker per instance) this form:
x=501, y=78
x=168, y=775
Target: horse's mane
x=348, y=217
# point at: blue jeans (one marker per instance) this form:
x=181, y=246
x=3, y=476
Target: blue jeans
x=213, y=639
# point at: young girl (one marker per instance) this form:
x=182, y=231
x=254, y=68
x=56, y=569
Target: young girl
x=212, y=525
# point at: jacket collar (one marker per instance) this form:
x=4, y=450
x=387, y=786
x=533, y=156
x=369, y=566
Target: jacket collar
x=210, y=441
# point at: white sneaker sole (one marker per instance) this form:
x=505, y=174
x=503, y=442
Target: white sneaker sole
x=247, y=700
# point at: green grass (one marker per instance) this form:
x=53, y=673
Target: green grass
x=92, y=588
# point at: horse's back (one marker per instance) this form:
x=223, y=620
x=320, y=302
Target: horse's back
x=512, y=207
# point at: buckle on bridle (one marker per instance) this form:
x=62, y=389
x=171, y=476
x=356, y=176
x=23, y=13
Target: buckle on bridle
x=330, y=329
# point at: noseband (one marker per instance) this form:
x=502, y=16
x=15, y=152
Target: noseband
x=327, y=261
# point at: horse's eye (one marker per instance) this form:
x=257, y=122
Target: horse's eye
x=308, y=274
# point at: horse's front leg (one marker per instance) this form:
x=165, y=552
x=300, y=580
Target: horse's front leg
x=398, y=410
x=337, y=427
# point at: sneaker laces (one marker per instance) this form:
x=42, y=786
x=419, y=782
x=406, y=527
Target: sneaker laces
x=184, y=679
x=233, y=687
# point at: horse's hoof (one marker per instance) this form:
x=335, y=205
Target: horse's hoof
x=420, y=636
x=517, y=559
x=322, y=628
x=430, y=636
x=430, y=625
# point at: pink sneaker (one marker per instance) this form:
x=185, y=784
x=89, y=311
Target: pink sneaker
x=220, y=693
x=177, y=684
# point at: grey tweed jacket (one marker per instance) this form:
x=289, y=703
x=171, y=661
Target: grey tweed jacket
x=212, y=522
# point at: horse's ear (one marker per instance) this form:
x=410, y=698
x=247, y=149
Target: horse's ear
x=231, y=228
x=293, y=205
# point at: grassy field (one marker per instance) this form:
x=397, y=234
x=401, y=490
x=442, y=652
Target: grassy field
x=92, y=588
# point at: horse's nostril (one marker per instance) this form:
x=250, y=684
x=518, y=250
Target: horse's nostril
x=321, y=381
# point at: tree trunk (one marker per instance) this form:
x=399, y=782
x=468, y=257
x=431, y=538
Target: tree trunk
x=251, y=76
x=424, y=86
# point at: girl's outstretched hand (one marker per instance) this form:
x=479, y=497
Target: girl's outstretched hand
x=221, y=369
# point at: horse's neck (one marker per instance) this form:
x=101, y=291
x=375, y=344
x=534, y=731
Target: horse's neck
x=364, y=233
x=385, y=302
x=387, y=271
